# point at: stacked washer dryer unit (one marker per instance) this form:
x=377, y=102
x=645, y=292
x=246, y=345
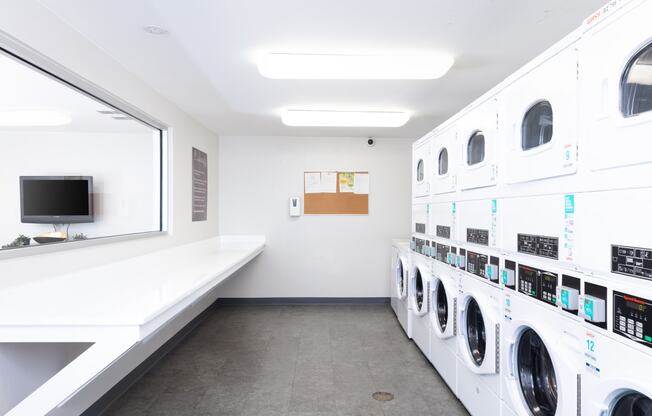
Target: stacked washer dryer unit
x=478, y=230
x=541, y=350
x=420, y=245
x=399, y=284
x=615, y=245
x=445, y=278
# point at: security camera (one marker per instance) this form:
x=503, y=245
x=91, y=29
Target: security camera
x=371, y=141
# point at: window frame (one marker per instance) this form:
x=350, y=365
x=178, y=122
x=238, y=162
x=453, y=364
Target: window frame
x=13, y=49
x=484, y=149
x=642, y=49
x=544, y=145
x=441, y=151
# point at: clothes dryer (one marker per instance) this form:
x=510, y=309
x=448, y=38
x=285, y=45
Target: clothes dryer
x=541, y=351
x=399, y=284
x=420, y=277
x=478, y=343
x=443, y=322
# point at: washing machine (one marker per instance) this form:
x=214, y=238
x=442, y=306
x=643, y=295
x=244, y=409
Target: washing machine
x=443, y=321
x=418, y=295
x=399, y=284
x=478, y=343
x=541, y=351
x=617, y=341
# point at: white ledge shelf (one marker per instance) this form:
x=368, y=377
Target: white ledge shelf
x=113, y=307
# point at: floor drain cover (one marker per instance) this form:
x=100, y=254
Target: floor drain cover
x=382, y=396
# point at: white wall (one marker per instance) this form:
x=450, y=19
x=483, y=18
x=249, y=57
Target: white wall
x=317, y=255
x=125, y=172
x=32, y=24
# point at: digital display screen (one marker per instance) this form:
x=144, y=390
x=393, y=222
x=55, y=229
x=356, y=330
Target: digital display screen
x=43, y=197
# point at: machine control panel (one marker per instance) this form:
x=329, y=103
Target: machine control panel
x=633, y=318
x=567, y=298
x=491, y=271
x=475, y=263
x=539, y=284
x=443, y=231
x=477, y=236
x=451, y=258
x=548, y=287
x=508, y=275
x=420, y=228
x=592, y=309
x=442, y=252
x=538, y=245
x=418, y=245
x=632, y=261
x=461, y=259
x=527, y=281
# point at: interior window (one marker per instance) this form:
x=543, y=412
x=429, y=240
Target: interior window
x=475, y=149
x=636, y=86
x=537, y=126
x=443, y=161
x=420, y=170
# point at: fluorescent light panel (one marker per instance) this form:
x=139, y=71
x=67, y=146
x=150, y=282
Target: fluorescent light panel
x=33, y=118
x=333, y=66
x=328, y=118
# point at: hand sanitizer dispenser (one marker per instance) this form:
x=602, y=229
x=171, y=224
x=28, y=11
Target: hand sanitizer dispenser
x=295, y=206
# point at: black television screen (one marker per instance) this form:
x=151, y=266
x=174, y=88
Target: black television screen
x=56, y=199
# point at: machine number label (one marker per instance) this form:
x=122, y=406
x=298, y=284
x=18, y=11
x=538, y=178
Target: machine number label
x=632, y=261
x=444, y=231
x=477, y=236
x=538, y=245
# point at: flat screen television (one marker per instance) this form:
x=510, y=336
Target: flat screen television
x=56, y=199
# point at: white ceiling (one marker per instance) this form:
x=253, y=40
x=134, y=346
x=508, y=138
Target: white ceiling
x=206, y=64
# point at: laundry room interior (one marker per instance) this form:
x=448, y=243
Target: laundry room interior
x=323, y=208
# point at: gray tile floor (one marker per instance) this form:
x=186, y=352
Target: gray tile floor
x=292, y=361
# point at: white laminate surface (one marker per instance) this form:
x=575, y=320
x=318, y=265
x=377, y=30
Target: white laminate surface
x=130, y=292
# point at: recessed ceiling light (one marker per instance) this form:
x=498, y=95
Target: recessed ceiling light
x=327, y=66
x=155, y=30
x=33, y=118
x=329, y=118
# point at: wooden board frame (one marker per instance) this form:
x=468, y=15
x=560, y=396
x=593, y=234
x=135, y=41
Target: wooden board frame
x=337, y=203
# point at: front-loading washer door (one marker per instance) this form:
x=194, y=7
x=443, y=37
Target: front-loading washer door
x=419, y=292
x=441, y=306
x=536, y=374
x=476, y=332
x=632, y=404
x=401, y=285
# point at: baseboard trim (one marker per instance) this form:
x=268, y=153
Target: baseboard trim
x=299, y=301
x=102, y=405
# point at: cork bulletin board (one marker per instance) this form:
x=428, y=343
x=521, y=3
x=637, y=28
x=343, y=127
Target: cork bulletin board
x=334, y=192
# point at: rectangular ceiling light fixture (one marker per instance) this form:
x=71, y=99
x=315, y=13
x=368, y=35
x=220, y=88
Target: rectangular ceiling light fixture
x=328, y=118
x=333, y=66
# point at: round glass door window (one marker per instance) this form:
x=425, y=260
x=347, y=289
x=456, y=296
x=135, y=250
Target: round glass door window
x=442, y=306
x=536, y=374
x=418, y=293
x=476, y=334
x=420, y=170
x=400, y=286
x=632, y=404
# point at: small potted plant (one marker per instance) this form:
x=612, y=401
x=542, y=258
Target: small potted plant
x=20, y=241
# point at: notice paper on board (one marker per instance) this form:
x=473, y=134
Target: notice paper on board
x=329, y=182
x=361, y=183
x=312, y=182
x=347, y=181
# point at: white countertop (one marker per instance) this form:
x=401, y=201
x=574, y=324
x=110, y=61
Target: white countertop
x=131, y=292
